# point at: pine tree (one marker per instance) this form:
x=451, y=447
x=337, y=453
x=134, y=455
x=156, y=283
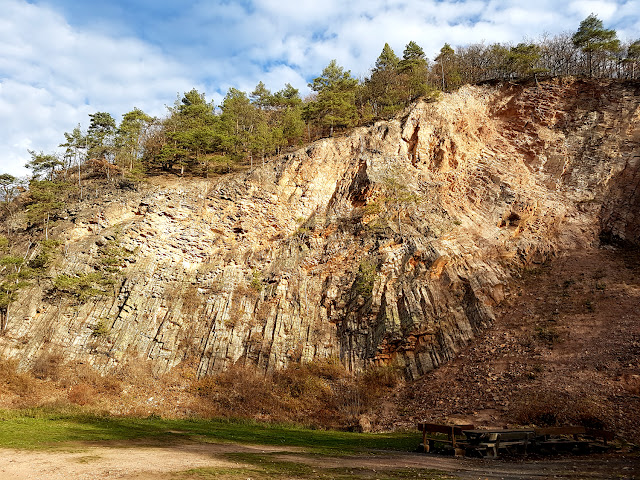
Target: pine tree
x=237, y=123
x=592, y=38
x=387, y=60
x=189, y=133
x=261, y=96
x=522, y=60
x=102, y=127
x=383, y=91
x=45, y=202
x=334, y=106
x=130, y=138
x=414, y=70
x=412, y=52
x=43, y=163
x=448, y=70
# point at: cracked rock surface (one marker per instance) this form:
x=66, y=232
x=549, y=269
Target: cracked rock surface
x=391, y=244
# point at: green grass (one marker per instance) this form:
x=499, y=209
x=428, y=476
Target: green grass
x=268, y=466
x=71, y=428
x=47, y=428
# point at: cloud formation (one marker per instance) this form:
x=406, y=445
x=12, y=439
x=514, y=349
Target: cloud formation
x=61, y=59
x=52, y=76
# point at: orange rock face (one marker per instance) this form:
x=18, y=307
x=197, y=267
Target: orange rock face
x=390, y=244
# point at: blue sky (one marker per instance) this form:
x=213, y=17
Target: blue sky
x=61, y=60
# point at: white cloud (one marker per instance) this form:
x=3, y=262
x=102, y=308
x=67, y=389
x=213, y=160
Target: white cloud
x=604, y=10
x=52, y=76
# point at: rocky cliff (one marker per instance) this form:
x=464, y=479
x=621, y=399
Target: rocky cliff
x=391, y=244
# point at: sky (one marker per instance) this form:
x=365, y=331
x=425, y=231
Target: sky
x=61, y=60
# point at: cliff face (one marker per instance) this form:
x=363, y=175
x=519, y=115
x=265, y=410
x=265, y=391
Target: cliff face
x=391, y=244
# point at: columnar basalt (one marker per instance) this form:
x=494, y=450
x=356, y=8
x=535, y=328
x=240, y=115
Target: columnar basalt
x=388, y=245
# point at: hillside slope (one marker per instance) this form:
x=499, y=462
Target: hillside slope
x=564, y=349
x=393, y=244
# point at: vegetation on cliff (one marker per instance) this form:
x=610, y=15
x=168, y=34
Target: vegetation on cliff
x=201, y=138
x=390, y=244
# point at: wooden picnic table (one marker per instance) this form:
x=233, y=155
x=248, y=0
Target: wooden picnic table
x=433, y=432
x=488, y=443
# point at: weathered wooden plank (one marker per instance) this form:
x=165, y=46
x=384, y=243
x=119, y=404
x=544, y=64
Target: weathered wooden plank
x=571, y=430
x=446, y=429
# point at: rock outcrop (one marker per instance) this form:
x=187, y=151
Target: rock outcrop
x=391, y=244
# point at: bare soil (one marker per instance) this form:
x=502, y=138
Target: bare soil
x=129, y=460
x=564, y=349
x=137, y=462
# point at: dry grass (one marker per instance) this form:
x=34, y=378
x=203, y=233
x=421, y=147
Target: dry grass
x=13, y=382
x=47, y=366
x=82, y=394
x=554, y=408
x=321, y=394
x=318, y=394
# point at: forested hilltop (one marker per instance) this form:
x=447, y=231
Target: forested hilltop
x=309, y=288
x=198, y=137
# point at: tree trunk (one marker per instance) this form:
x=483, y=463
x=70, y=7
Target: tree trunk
x=3, y=319
x=79, y=184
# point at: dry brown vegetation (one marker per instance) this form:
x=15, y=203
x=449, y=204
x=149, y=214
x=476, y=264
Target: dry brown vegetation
x=321, y=394
x=564, y=350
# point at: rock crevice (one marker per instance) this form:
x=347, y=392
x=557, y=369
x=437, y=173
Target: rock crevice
x=391, y=244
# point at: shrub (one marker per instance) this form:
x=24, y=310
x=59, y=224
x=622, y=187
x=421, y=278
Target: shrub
x=256, y=281
x=365, y=279
x=18, y=383
x=321, y=393
x=112, y=255
x=237, y=392
x=327, y=368
x=77, y=374
x=100, y=329
x=81, y=286
x=47, y=365
x=82, y=394
x=547, y=335
x=554, y=408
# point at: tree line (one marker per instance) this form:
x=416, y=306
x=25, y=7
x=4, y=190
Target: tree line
x=197, y=137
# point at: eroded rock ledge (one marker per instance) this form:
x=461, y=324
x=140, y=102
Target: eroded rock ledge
x=388, y=245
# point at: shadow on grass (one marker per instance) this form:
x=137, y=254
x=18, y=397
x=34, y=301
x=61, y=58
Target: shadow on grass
x=42, y=428
x=267, y=466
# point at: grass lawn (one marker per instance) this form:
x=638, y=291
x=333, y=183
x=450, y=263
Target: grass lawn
x=49, y=428
x=261, y=467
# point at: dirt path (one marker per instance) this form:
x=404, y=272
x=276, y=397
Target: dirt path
x=465, y=468
x=159, y=463
x=127, y=462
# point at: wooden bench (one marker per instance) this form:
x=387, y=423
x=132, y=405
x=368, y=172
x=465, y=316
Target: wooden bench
x=551, y=437
x=490, y=442
x=453, y=433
